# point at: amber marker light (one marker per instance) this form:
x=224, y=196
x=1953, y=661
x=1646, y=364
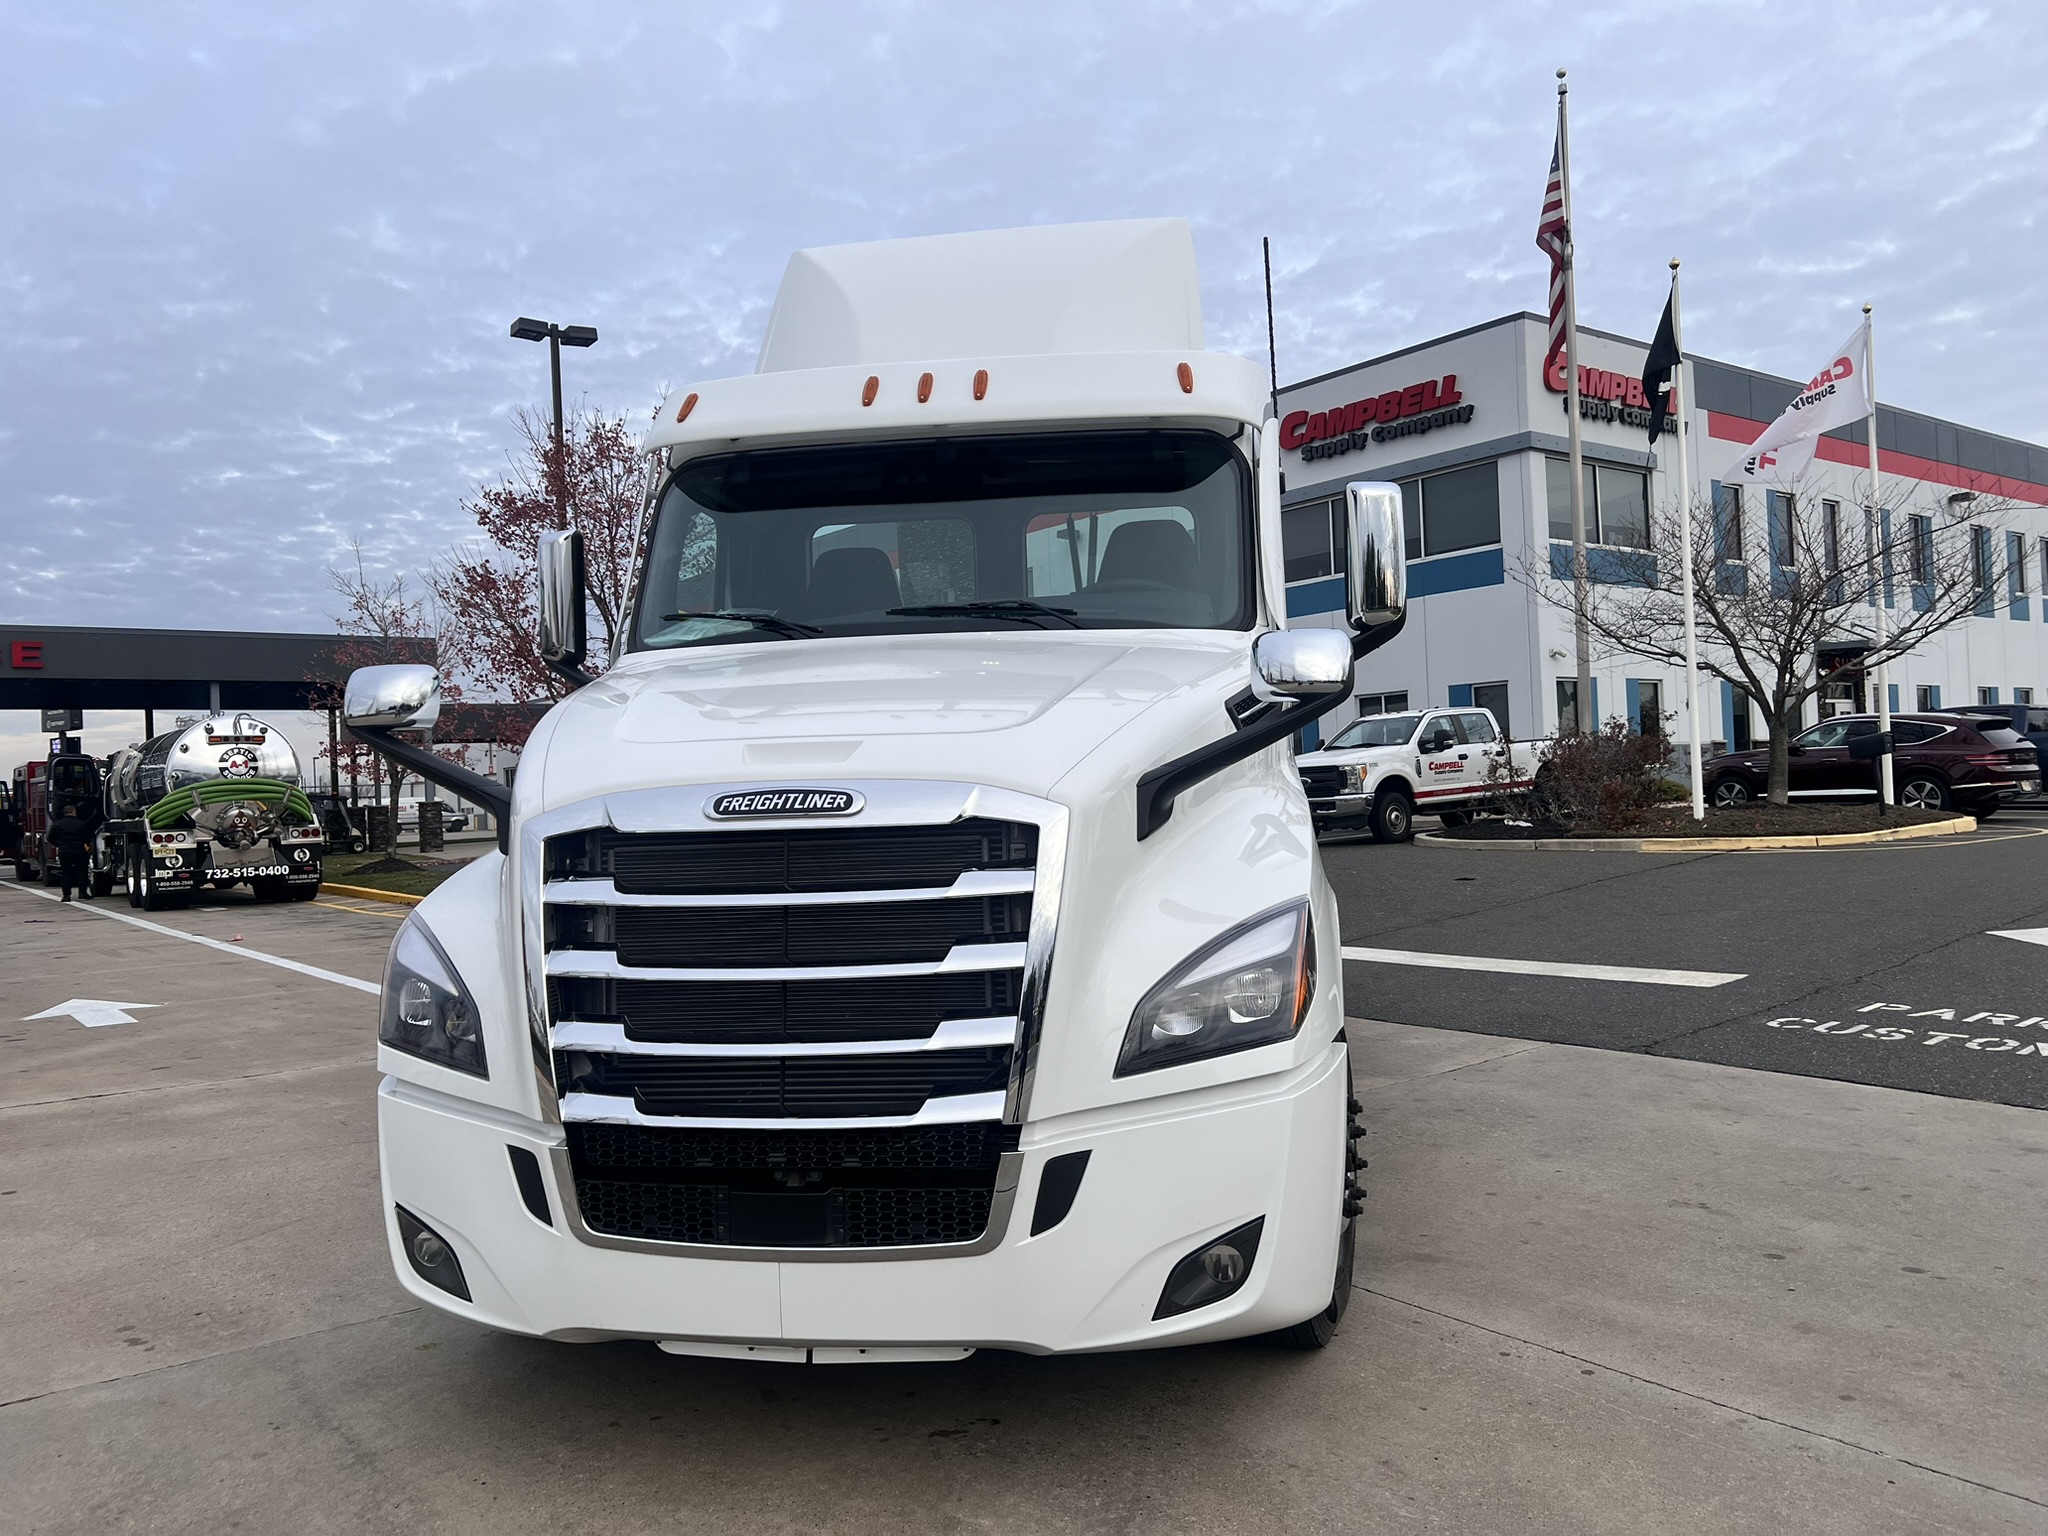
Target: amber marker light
x=981, y=383
x=1187, y=379
x=689, y=405
x=924, y=388
x=869, y=390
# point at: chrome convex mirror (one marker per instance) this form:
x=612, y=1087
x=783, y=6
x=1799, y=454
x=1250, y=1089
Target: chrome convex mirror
x=1376, y=575
x=397, y=698
x=1301, y=663
x=561, y=598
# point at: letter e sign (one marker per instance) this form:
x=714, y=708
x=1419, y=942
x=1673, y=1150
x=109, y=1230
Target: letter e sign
x=26, y=656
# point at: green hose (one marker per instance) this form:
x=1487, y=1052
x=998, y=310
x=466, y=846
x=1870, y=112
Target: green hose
x=182, y=802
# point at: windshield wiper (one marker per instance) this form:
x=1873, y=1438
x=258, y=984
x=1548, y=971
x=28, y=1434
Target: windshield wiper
x=1021, y=608
x=789, y=629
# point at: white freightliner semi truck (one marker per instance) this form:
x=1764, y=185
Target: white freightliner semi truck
x=916, y=939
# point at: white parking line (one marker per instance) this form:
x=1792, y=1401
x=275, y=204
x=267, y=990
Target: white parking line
x=1651, y=977
x=225, y=948
x=2024, y=935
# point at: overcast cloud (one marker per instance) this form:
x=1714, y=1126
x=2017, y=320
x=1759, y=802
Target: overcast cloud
x=259, y=260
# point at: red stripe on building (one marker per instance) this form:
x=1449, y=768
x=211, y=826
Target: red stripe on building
x=1740, y=429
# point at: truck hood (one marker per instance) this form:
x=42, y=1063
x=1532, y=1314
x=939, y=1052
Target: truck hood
x=1012, y=710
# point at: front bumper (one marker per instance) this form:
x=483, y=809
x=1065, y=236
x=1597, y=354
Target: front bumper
x=1161, y=1180
x=1334, y=811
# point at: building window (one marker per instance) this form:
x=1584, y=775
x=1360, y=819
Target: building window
x=1831, y=535
x=1980, y=556
x=1921, y=553
x=1740, y=737
x=1727, y=522
x=2016, y=563
x=1987, y=695
x=1458, y=509
x=1494, y=696
x=2023, y=695
x=1783, y=512
x=1617, y=503
x=1649, y=701
x=1382, y=703
x=2043, y=547
x=1926, y=700
x=1312, y=539
x=1568, y=706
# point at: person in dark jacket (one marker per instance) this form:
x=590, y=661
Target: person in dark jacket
x=68, y=836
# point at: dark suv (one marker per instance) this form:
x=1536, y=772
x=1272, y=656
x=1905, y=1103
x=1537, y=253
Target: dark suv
x=1939, y=762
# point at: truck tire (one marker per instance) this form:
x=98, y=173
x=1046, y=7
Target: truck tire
x=21, y=869
x=1393, y=816
x=302, y=893
x=1455, y=818
x=102, y=882
x=269, y=889
x=154, y=897
x=132, y=877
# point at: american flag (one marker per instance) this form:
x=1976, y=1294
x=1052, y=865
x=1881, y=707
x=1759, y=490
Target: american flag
x=1552, y=236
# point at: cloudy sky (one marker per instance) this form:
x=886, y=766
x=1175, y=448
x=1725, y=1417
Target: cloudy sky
x=258, y=260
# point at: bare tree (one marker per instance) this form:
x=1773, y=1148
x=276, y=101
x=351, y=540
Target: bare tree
x=377, y=614
x=1770, y=593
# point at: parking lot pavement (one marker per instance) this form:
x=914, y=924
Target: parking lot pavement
x=1877, y=964
x=1596, y=1292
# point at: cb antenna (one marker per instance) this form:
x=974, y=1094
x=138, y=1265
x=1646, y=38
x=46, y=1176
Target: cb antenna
x=1272, y=355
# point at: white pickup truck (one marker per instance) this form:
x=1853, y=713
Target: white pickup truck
x=1380, y=770
x=916, y=939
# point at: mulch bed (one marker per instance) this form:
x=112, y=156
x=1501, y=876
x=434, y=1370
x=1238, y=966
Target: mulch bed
x=1752, y=821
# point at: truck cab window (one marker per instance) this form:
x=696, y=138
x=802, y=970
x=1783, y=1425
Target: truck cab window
x=1383, y=731
x=1100, y=530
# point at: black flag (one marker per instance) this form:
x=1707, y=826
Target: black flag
x=1661, y=369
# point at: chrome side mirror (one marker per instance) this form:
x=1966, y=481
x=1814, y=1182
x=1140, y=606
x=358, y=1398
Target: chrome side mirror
x=1301, y=663
x=1376, y=577
x=562, y=641
x=398, y=698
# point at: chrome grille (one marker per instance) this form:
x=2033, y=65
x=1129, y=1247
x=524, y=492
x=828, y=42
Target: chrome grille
x=769, y=985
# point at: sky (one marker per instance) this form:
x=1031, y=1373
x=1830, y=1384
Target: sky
x=258, y=261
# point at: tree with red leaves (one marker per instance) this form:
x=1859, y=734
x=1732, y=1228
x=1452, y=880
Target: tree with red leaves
x=487, y=590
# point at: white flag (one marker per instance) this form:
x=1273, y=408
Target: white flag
x=1837, y=396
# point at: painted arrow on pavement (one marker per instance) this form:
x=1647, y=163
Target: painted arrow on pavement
x=92, y=1012
x=2024, y=935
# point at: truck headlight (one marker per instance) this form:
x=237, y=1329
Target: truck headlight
x=1354, y=780
x=1249, y=988
x=426, y=1011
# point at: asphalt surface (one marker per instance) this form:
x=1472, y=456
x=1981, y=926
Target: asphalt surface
x=1877, y=964
x=1599, y=1290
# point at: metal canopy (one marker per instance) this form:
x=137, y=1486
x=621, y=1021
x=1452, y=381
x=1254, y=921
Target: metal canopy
x=51, y=666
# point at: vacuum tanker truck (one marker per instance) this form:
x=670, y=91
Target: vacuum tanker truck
x=216, y=802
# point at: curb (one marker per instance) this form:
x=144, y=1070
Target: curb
x=371, y=893
x=1704, y=844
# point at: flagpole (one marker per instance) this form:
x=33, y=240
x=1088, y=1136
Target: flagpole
x=1588, y=721
x=1883, y=624
x=1692, y=652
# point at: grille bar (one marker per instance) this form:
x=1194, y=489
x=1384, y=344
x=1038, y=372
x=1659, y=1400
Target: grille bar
x=972, y=882
x=951, y=1035
x=606, y=964
x=615, y=1109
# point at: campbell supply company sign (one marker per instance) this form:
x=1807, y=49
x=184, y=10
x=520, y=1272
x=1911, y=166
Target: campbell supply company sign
x=1604, y=395
x=1405, y=412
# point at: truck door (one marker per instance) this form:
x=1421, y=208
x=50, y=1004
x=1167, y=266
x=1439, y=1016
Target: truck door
x=1443, y=759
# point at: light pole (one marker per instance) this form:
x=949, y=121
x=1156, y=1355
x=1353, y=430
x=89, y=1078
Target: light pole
x=524, y=329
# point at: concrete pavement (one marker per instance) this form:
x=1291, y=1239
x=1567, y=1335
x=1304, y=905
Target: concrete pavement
x=1597, y=1292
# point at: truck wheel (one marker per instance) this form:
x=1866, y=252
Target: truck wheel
x=21, y=869
x=134, y=881
x=302, y=893
x=1393, y=817
x=269, y=889
x=103, y=882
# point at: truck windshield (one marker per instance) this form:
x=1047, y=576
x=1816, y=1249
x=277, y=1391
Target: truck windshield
x=1380, y=731
x=1091, y=530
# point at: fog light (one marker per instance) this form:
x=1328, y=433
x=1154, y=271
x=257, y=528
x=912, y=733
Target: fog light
x=1213, y=1271
x=429, y=1254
